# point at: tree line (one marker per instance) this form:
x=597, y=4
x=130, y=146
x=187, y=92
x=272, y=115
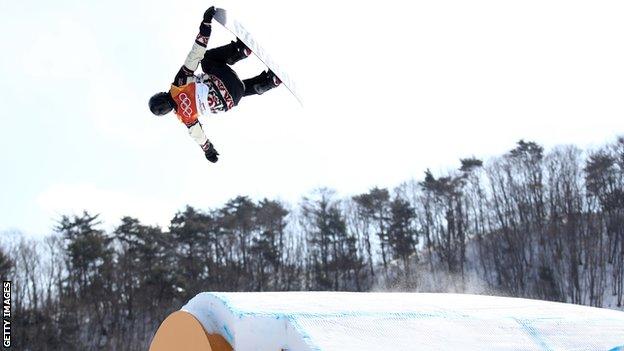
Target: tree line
x=529, y=223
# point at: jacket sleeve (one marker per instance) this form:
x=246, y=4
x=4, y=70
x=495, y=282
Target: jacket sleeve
x=194, y=57
x=197, y=133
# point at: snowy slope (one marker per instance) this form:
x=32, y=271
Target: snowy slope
x=301, y=321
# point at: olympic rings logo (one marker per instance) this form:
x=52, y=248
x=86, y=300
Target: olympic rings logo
x=185, y=104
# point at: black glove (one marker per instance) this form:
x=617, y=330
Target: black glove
x=211, y=154
x=204, y=27
x=209, y=14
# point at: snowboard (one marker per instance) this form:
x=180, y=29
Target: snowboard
x=240, y=32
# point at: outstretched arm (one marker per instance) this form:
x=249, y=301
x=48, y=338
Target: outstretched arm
x=197, y=51
x=197, y=133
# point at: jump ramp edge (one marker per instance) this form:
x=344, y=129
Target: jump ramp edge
x=182, y=331
x=311, y=321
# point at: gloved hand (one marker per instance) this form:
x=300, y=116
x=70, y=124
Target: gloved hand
x=204, y=27
x=211, y=154
x=209, y=14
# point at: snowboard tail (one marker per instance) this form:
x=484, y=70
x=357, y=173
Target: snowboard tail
x=240, y=32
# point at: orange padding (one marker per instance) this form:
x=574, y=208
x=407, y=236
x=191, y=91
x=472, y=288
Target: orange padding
x=181, y=331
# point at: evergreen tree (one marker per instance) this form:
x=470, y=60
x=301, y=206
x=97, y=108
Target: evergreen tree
x=402, y=234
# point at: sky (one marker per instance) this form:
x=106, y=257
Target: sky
x=388, y=92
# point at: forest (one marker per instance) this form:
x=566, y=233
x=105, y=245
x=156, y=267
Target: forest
x=534, y=223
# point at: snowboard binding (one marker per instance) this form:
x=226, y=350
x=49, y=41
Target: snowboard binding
x=261, y=83
x=229, y=54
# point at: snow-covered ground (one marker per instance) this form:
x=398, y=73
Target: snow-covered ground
x=302, y=321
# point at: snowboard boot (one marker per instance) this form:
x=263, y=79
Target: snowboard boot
x=261, y=83
x=230, y=53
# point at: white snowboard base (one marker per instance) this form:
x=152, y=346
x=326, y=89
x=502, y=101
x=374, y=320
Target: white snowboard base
x=240, y=32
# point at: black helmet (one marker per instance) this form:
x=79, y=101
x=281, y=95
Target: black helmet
x=161, y=104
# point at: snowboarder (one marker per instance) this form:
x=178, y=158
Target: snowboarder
x=218, y=89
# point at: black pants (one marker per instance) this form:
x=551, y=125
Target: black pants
x=217, y=60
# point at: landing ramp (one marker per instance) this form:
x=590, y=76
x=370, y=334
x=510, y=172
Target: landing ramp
x=306, y=321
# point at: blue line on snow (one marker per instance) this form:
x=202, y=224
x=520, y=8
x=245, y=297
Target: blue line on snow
x=228, y=334
x=534, y=334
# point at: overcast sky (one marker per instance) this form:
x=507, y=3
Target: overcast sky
x=390, y=88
